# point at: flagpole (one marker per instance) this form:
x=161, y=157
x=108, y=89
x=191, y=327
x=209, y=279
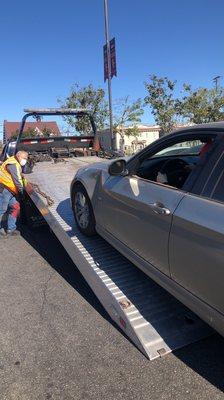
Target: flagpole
x=113, y=145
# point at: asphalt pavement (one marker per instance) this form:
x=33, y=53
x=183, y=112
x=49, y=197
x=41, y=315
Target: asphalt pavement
x=57, y=342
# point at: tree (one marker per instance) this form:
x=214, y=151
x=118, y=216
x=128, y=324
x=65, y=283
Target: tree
x=125, y=113
x=93, y=100
x=201, y=105
x=193, y=106
x=162, y=102
x=28, y=133
x=47, y=132
x=89, y=98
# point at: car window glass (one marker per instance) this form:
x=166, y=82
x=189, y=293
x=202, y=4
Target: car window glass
x=192, y=147
x=174, y=164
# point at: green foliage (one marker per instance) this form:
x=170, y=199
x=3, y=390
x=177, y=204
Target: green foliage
x=127, y=113
x=28, y=133
x=31, y=132
x=132, y=131
x=160, y=97
x=91, y=99
x=46, y=132
x=194, y=106
x=201, y=105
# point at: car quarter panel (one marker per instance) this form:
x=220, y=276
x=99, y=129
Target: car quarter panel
x=196, y=249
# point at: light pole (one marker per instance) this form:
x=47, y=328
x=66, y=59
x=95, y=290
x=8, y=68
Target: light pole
x=109, y=72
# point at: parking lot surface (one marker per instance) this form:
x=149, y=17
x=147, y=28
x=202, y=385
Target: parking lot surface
x=57, y=342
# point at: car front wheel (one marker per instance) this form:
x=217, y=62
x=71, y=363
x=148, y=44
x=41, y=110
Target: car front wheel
x=83, y=211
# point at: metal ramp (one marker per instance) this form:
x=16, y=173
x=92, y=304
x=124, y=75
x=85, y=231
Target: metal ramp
x=153, y=319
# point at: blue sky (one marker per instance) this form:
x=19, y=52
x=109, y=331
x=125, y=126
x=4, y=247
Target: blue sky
x=46, y=46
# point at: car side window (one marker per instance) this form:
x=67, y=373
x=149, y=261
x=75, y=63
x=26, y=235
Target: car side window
x=174, y=164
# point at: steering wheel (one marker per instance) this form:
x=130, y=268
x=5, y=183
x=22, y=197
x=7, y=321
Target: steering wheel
x=176, y=171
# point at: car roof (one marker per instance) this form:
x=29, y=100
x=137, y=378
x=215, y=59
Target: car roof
x=194, y=128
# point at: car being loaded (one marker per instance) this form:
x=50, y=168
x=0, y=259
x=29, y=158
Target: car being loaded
x=164, y=210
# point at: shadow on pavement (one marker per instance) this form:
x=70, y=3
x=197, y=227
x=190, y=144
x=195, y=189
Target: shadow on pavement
x=48, y=246
x=206, y=358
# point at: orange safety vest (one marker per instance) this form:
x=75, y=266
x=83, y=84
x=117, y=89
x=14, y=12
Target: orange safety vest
x=6, y=178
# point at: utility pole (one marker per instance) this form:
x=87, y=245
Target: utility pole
x=113, y=145
x=216, y=81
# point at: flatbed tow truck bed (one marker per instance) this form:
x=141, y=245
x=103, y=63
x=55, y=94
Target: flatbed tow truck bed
x=152, y=319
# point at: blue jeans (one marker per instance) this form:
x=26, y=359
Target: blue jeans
x=9, y=205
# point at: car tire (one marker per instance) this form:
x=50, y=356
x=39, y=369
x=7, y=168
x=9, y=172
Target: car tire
x=83, y=210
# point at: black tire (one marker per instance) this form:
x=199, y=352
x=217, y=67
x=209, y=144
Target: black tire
x=87, y=227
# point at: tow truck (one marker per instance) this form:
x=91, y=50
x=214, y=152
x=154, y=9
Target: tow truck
x=52, y=147
x=154, y=321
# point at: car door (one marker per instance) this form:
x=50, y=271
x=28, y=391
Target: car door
x=196, y=246
x=136, y=209
x=139, y=213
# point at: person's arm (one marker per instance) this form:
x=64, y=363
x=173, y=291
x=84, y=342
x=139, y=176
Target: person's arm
x=16, y=177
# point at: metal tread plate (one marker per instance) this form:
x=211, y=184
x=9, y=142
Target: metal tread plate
x=153, y=319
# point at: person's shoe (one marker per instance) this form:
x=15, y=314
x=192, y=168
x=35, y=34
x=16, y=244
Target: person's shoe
x=13, y=233
x=2, y=232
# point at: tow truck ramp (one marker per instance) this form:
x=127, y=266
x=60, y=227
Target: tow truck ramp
x=149, y=316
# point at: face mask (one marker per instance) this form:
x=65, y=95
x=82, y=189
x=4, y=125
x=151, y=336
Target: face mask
x=23, y=162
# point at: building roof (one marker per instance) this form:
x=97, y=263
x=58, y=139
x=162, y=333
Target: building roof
x=147, y=128
x=10, y=128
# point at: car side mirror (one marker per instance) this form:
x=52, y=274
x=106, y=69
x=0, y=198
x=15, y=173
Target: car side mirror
x=118, y=168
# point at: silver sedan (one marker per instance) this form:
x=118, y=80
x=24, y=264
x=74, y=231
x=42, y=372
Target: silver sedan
x=164, y=210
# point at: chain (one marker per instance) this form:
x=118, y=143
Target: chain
x=37, y=189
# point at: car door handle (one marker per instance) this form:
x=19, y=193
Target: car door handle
x=159, y=208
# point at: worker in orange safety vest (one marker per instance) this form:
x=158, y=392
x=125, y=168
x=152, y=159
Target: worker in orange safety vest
x=12, y=185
